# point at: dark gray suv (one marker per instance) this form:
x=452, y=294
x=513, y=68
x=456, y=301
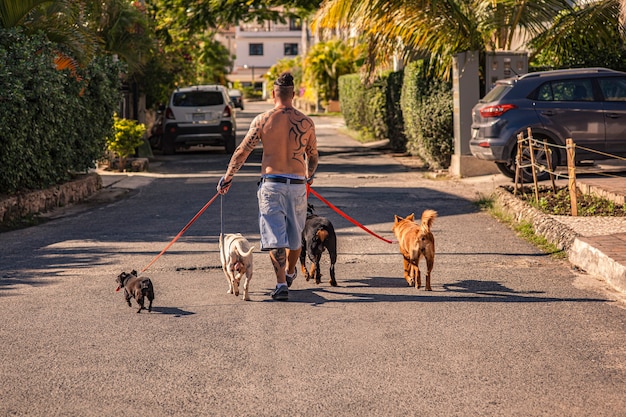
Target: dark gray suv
x=587, y=105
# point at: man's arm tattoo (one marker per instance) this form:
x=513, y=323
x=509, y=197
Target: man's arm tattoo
x=244, y=149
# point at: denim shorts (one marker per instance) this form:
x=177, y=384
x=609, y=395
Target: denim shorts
x=282, y=214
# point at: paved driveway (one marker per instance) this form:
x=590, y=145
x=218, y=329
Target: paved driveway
x=506, y=330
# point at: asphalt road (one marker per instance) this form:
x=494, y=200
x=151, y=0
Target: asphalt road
x=506, y=331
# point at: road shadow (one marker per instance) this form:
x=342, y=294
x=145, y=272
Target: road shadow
x=466, y=291
x=172, y=311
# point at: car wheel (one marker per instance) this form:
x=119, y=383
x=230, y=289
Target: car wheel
x=541, y=159
x=155, y=141
x=168, y=147
x=230, y=144
x=507, y=168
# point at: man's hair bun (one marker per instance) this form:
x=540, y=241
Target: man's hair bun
x=284, y=80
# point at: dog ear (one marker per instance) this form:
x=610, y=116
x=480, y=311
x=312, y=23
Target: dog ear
x=411, y=217
x=396, y=218
x=133, y=272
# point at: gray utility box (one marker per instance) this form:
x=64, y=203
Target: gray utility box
x=504, y=64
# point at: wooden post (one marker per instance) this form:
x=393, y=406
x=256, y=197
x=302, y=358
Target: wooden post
x=518, y=161
x=571, y=173
x=548, y=153
x=532, y=163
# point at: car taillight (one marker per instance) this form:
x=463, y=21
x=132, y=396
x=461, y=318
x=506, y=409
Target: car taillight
x=169, y=114
x=227, y=112
x=497, y=110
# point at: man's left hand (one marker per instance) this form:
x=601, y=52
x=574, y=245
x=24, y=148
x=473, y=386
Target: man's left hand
x=223, y=185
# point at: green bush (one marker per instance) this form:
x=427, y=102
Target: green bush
x=128, y=135
x=363, y=106
x=394, y=117
x=427, y=110
x=373, y=110
x=352, y=101
x=55, y=123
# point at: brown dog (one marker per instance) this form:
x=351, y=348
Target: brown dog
x=137, y=288
x=416, y=240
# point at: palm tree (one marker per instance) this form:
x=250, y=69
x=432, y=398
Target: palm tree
x=83, y=28
x=60, y=20
x=14, y=12
x=325, y=63
x=440, y=29
x=123, y=29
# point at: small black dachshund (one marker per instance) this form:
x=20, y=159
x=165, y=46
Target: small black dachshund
x=318, y=234
x=137, y=288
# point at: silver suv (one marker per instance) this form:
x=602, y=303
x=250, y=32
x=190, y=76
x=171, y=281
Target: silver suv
x=199, y=115
x=587, y=105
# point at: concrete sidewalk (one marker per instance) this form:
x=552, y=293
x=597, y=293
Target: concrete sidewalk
x=600, y=245
x=596, y=245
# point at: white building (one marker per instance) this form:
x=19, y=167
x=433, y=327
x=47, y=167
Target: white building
x=257, y=47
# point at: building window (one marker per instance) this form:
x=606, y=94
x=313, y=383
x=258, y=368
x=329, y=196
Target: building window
x=256, y=49
x=291, y=49
x=295, y=23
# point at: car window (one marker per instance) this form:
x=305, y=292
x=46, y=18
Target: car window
x=566, y=90
x=544, y=92
x=613, y=89
x=495, y=93
x=197, y=99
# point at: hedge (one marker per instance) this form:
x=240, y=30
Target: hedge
x=414, y=111
x=373, y=110
x=54, y=123
x=427, y=108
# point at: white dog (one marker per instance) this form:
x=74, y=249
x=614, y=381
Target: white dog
x=236, y=258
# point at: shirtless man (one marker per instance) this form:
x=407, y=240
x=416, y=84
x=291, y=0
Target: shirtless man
x=289, y=161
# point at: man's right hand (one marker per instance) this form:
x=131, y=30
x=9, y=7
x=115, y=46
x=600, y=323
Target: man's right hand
x=223, y=185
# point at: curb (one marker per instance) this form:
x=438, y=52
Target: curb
x=580, y=252
x=41, y=201
x=557, y=233
x=596, y=262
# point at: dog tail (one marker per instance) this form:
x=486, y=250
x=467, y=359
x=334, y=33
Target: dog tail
x=428, y=217
x=245, y=255
x=322, y=235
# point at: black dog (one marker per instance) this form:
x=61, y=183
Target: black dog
x=318, y=234
x=137, y=288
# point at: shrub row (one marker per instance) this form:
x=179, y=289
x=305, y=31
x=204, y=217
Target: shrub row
x=54, y=122
x=410, y=108
x=364, y=106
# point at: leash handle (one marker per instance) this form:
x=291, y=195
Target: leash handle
x=206, y=206
x=344, y=215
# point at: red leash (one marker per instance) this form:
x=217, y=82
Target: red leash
x=309, y=189
x=181, y=232
x=344, y=215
